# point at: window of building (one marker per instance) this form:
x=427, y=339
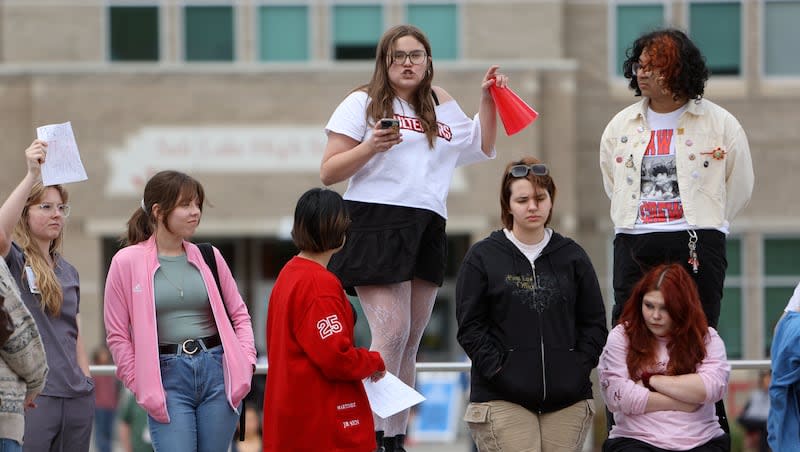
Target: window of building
x=208, y=33
x=633, y=20
x=781, y=36
x=730, y=318
x=283, y=33
x=133, y=33
x=716, y=28
x=781, y=274
x=440, y=24
x=356, y=31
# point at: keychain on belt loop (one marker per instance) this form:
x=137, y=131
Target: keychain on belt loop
x=693, y=260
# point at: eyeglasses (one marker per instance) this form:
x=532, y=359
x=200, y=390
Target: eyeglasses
x=538, y=169
x=50, y=208
x=415, y=56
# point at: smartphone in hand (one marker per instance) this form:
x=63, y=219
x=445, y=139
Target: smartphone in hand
x=390, y=123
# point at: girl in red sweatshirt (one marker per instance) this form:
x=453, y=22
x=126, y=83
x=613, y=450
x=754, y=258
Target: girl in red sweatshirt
x=314, y=398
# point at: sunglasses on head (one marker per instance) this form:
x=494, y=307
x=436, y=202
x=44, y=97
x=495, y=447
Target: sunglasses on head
x=538, y=169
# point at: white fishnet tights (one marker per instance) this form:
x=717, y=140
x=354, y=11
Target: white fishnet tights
x=397, y=315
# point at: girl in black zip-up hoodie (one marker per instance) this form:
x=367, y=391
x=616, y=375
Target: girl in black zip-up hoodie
x=532, y=320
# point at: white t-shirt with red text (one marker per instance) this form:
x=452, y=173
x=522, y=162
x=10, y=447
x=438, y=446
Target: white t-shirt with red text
x=410, y=174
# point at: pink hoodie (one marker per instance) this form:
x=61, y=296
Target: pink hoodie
x=130, y=319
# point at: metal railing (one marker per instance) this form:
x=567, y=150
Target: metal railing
x=261, y=369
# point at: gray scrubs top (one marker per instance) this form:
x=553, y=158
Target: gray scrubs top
x=59, y=334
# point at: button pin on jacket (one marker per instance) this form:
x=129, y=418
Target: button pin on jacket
x=619, y=159
x=689, y=143
x=624, y=139
x=691, y=157
x=629, y=162
x=717, y=153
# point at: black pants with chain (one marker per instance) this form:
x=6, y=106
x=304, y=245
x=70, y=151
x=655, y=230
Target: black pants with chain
x=635, y=254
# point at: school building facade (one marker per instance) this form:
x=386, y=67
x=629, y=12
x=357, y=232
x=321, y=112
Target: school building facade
x=237, y=92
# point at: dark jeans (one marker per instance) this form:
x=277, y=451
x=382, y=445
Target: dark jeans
x=719, y=444
x=635, y=254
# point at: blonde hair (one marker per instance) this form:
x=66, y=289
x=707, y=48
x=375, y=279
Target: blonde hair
x=51, y=293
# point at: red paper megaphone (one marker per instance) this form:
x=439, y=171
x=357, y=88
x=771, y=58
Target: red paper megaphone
x=513, y=111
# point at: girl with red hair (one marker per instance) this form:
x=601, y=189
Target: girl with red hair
x=663, y=368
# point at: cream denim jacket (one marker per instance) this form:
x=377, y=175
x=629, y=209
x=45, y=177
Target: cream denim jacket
x=714, y=186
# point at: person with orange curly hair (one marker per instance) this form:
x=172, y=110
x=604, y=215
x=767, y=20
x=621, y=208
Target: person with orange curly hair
x=663, y=368
x=677, y=168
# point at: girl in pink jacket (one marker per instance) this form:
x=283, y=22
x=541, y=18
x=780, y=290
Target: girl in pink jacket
x=185, y=350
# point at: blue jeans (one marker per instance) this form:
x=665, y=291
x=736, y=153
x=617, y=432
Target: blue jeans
x=103, y=429
x=9, y=445
x=201, y=419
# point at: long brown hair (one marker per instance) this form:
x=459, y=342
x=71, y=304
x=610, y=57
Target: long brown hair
x=686, y=344
x=382, y=94
x=52, y=295
x=167, y=189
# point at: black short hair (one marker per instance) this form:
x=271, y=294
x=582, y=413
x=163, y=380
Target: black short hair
x=660, y=169
x=320, y=221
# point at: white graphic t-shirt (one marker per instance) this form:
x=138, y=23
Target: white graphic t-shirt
x=660, y=207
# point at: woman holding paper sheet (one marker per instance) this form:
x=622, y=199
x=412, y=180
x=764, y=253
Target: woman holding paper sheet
x=61, y=417
x=314, y=399
x=531, y=319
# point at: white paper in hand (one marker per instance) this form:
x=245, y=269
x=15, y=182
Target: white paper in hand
x=63, y=162
x=390, y=395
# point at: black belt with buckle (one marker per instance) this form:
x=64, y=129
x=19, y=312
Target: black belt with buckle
x=189, y=346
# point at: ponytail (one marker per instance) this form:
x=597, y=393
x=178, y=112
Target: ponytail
x=140, y=227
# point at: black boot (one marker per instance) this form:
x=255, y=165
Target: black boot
x=398, y=443
x=394, y=443
x=379, y=441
